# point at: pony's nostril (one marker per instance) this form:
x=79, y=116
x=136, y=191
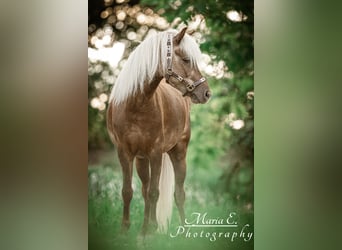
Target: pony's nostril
x=207, y=94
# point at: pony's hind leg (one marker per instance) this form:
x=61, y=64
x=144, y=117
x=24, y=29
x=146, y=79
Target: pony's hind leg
x=126, y=162
x=143, y=170
x=177, y=156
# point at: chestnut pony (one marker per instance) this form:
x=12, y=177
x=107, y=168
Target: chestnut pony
x=148, y=120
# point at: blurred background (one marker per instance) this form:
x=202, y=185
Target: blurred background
x=221, y=151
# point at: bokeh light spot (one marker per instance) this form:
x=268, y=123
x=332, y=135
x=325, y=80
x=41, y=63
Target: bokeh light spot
x=121, y=15
x=132, y=35
x=119, y=25
x=235, y=16
x=141, y=18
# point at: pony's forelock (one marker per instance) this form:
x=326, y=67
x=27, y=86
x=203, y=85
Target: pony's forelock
x=146, y=60
x=191, y=49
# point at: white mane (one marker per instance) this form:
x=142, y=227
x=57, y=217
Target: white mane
x=145, y=61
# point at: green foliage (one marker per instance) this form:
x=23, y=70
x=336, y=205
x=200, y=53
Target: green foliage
x=229, y=41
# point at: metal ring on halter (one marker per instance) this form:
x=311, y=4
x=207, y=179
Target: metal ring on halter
x=189, y=86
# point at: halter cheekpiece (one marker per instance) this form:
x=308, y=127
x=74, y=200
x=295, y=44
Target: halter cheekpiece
x=189, y=86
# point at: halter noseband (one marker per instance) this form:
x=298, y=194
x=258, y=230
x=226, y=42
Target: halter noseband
x=189, y=86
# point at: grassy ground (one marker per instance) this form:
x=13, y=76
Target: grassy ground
x=105, y=213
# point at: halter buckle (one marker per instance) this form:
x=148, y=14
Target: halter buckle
x=179, y=78
x=190, y=87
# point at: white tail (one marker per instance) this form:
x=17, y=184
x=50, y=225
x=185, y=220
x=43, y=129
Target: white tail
x=166, y=191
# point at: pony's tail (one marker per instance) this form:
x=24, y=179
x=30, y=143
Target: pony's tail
x=166, y=191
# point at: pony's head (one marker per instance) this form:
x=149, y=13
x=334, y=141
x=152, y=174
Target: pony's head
x=170, y=54
x=182, y=57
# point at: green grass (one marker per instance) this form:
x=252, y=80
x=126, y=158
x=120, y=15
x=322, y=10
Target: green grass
x=202, y=195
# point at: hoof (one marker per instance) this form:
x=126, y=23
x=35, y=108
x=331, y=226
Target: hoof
x=148, y=229
x=144, y=241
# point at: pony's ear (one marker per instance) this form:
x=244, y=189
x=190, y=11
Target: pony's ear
x=178, y=38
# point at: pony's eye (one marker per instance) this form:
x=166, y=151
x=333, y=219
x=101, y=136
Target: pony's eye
x=186, y=60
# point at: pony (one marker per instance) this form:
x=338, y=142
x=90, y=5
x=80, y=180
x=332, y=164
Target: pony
x=148, y=119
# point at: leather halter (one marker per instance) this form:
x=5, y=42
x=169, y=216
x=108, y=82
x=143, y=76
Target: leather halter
x=190, y=86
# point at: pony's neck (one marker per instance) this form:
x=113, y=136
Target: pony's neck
x=151, y=87
x=143, y=97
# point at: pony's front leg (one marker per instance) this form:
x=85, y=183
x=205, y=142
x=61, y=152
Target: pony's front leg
x=153, y=194
x=143, y=170
x=126, y=162
x=178, y=158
